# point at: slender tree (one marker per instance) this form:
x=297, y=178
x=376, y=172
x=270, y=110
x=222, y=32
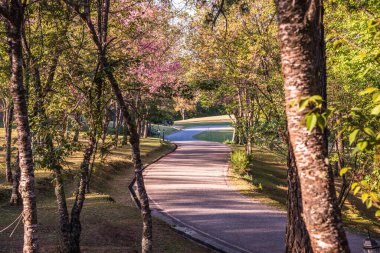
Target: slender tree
x=13, y=12
x=300, y=24
x=99, y=37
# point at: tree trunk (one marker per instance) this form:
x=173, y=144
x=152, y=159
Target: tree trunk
x=31, y=242
x=134, y=139
x=297, y=237
x=77, y=130
x=125, y=134
x=117, y=126
x=8, y=143
x=16, y=196
x=64, y=222
x=146, y=127
x=182, y=113
x=76, y=227
x=300, y=41
x=100, y=41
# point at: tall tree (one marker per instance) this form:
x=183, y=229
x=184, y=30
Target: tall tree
x=13, y=12
x=100, y=40
x=301, y=42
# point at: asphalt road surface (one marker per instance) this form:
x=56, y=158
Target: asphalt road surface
x=189, y=189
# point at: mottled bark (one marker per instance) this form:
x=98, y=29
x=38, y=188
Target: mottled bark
x=297, y=237
x=16, y=196
x=76, y=227
x=300, y=41
x=15, y=21
x=8, y=143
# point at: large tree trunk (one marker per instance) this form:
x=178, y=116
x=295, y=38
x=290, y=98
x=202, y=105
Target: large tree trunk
x=297, y=237
x=8, y=143
x=31, y=242
x=300, y=40
x=76, y=227
x=16, y=196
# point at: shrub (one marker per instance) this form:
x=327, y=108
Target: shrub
x=228, y=141
x=239, y=161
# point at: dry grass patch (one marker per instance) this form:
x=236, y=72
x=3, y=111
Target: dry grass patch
x=110, y=220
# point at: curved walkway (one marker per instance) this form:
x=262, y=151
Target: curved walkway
x=188, y=188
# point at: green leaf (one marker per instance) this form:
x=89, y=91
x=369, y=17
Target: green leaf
x=377, y=214
x=374, y=196
x=365, y=197
x=316, y=98
x=321, y=122
x=368, y=203
x=376, y=110
x=353, y=135
x=344, y=171
x=357, y=189
x=353, y=186
x=364, y=183
x=368, y=91
x=311, y=121
x=376, y=97
x=369, y=131
x=362, y=145
x=303, y=104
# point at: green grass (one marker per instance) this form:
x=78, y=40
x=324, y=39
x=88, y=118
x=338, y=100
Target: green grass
x=269, y=170
x=217, y=136
x=213, y=120
x=110, y=220
x=167, y=129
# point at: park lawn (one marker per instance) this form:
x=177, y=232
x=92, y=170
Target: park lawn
x=110, y=220
x=217, y=136
x=267, y=182
x=166, y=129
x=212, y=120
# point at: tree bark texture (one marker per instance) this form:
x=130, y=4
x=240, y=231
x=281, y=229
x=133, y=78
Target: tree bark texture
x=16, y=196
x=8, y=143
x=300, y=41
x=17, y=89
x=297, y=237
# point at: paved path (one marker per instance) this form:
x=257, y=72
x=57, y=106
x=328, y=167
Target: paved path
x=188, y=189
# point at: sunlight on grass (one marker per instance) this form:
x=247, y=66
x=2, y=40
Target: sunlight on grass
x=217, y=136
x=269, y=169
x=110, y=220
x=213, y=120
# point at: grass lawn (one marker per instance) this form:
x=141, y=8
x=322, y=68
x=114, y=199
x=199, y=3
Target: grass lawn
x=167, y=129
x=213, y=120
x=217, y=136
x=269, y=170
x=110, y=220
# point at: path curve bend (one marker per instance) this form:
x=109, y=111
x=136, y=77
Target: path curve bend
x=189, y=189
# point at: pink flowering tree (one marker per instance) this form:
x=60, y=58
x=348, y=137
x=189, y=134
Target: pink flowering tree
x=150, y=64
